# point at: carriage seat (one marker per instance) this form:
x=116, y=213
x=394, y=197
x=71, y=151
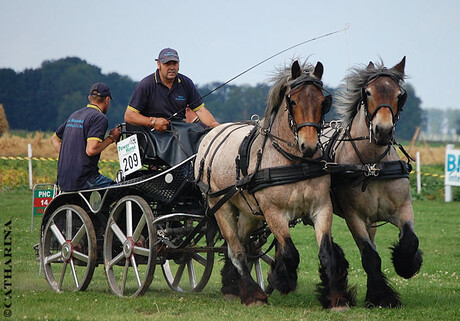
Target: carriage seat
x=170, y=147
x=147, y=148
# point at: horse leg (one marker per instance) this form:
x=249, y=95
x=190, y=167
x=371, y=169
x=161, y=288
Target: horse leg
x=333, y=291
x=283, y=272
x=379, y=292
x=236, y=277
x=406, y=257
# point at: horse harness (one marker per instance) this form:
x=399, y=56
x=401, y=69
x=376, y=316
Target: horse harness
x=365, y=172
x=302, y=169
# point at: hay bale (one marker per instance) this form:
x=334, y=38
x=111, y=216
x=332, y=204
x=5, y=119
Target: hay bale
x=4, y=126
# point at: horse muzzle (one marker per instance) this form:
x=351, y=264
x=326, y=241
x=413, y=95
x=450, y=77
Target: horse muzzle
x=383, y=135
x=308, y=149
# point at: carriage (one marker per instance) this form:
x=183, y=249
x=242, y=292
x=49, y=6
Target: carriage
x=220, y=201
x=154, y=216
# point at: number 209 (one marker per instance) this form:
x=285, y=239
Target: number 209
x=130, y=162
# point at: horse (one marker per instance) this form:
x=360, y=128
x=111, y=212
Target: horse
x=371, y=184
x=265, y=170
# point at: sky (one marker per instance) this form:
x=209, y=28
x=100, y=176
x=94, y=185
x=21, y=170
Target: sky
x=218, y=40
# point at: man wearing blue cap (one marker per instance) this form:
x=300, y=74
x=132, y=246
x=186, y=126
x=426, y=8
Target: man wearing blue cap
x=166, y=95
x=80, y=141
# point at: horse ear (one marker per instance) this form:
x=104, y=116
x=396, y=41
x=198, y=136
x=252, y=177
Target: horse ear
x=370, y=65
x=319, y=69
x=400, y=67
x=295, y=70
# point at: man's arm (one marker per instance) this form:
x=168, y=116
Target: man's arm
x=138, y=119
x=56, y=143
x=206, y=117
x=135, y=118
x=94, y=146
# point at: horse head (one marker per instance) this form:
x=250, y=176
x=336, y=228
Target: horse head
x=383, y=98
x=307, y=106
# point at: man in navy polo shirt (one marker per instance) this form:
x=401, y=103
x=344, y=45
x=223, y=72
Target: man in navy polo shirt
x=165, y=93
x=80, y=141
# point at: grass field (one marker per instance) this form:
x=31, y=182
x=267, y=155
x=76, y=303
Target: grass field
x=433, y=294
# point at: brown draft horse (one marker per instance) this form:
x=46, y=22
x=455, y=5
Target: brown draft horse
x=287, y=137
x=375, y=187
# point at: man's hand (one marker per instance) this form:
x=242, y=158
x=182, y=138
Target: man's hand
x=161, y=124
x=114, y=134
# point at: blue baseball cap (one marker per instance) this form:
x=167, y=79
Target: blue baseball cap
x=168, y=54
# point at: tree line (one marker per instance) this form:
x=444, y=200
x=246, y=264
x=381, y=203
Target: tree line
x=43, y=98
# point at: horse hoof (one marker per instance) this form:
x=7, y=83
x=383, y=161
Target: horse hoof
x=340, y=309
x=230, y=297
x=386, y=304
x=256, y=303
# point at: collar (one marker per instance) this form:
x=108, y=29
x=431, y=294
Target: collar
x=94, y=106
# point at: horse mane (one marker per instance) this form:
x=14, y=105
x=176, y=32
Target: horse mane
x=348, y=96
x=281, y=79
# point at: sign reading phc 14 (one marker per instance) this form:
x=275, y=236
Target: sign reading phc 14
x=41, y=200
x=452, y=168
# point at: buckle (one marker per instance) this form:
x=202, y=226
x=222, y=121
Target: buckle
x=372, y=170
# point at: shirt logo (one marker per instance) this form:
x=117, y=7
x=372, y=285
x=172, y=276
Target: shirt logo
x=76, y=123
x=180, y=98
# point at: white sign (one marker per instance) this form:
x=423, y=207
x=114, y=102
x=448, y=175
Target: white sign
x=452, y=168
x=128, y=154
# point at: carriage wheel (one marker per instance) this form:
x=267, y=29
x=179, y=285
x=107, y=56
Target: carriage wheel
x=68, y=249
x=129, y=247
x=189, y=269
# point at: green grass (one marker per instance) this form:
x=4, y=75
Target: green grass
x=432, y=294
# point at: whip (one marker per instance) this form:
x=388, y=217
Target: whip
x=347, y=26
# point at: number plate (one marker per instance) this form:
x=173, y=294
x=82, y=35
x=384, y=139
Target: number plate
x=128, y=154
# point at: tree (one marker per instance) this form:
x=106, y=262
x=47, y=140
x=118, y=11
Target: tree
x=411, y=117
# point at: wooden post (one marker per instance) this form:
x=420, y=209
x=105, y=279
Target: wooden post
x=29, y=150
x=419, y=179
x=448, y=188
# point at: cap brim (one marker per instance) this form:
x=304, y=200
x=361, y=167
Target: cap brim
x=167, y=60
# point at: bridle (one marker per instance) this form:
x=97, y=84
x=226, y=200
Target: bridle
x=401, y=101
x=326, y=105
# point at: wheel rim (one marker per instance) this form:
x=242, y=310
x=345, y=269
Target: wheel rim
x=189, y=269
x=68, y=250
x=129, y=247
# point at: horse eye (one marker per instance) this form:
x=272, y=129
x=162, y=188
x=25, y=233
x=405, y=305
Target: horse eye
x=368, y=93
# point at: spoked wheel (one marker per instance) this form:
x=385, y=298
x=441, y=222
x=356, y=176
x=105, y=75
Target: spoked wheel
x=129, y=247
x=188, y=269
x=68, y=249
x=260, y=253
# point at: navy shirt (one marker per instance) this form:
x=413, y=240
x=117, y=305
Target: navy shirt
x=152, y=98
x=75, y=167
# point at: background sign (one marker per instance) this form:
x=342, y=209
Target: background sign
x=452, y=168
x=42, y=197
x=128, y=154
